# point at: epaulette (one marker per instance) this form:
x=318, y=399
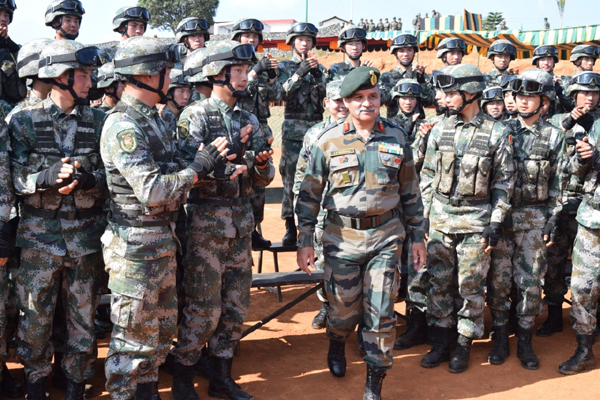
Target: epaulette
x=330, y=127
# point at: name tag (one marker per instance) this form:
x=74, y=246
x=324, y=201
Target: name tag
x=342, y=152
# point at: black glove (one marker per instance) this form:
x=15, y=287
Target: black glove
x=207, y=161
x=223, y=171
x=316, y=72
x=272, y=73
x=266, y=147
x=493, y=234
x=262, y=66
x=551, y=228
x=47, y=177
x=568, y=123
x=426, y=225
x=303, y=69
x=85, y=180
x=5, y=234
x=586, y=121
x=423, y=143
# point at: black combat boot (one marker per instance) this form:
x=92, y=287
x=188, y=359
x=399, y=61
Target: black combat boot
x=374, y=382
x=554, y=322
x=582, y=360
x=36, y=390
x=10, y=387
x=183, y=382
x=59, y=379
x=597, y=330
x=222, y=385
x=501, y=349
x=169, y=364
x=290, y=237
x=415, y=334
x=459, y=362
x=524, y=350
x=75, y=390
x=440, y=352
x=320, y=320
x=147, y=391
x=336, y=358
x=202, y=367
x=259, y=242
x=361, y=341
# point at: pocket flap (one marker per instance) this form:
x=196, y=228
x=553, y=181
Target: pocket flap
x=343, y=161
x=128, y=287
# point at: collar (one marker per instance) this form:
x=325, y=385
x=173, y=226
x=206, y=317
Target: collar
x=477, y=121
x=535, y=129
x=222, y=106
x=349, y=126
x=139, y=106
x=56, y=112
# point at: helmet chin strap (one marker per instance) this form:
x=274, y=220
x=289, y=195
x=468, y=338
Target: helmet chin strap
x=176, y=104
x=238, y=94
x=158, y=91
x=497, y=117
x=531, y=114
x=406, y=63
x=65, y=34
x=511, y=113
x=501, y=69
x=113, y=94
x=465, y=102
x=79, y=101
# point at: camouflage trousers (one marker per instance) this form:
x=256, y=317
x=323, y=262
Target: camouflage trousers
x=555, y=286
x=217, y=279
x=290, y=149
x=519, y=258
x=361, y=277
x=144, y=314
x=9, y=295
x=457, y=267
x=585, y=280
x=318, y=245
x=417, y=285
x=257, y=199
x=40, y=277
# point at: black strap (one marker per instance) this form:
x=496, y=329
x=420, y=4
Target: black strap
x=462, y=201
x=66, y=215
x=27, y=60
x=218, y=201
x=164, y=56
x=361, y=223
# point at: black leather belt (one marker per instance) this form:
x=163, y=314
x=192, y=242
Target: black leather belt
x=165, y=220
x=216, y=201
x=462, y=201
x=361, y=223
x=66, y=215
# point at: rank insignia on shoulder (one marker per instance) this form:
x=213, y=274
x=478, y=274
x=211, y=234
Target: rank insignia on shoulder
x=342, y=152
x=127, y=140
x=346, y=126
x=381, y=128
x=510, y=139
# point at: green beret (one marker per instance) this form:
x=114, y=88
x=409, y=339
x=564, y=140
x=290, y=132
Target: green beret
x=359, y=79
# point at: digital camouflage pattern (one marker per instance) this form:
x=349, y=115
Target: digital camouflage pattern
x=182, y=33
x=579, y=52
x=119, y=19
x=141, y=46
x=28, y=51
x=338, y=71
x=170, y=121
x=51, y=15
x=391, y=78
x=494, y=77
x=360, y=267
x=58, y=48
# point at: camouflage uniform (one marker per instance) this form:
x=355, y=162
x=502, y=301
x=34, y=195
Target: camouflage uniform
x=499, y=47
x=303, y=108
x=494, y=77
x=340, y=70
x=360, y=267
x=170, y=121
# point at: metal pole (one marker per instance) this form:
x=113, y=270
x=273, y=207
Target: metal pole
x=306, y=11
x=351, y=10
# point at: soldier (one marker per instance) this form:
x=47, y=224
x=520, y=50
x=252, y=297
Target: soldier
x=492, y=103
x=584, y=91
x=379, y=27
x=417, y=22
x=465, y=212
x=360, y=266
x=13, y=89
x=451, y=51
x=352, y=40
x=193, y=73
x=193, y=33
x=61, y=217
x=531, y=225
x=545, y=58
x=112, y=84
x=337, y=110
x=147, y=184
x=303, y=80
x=131, y=22
x=404, y=47
x=546, y=24
x=64, y=16
x=371, y=26
x=394, y=25
x=178, y=96
x=408, y=94
x=584, y=57
x=510, y=107
x=28, y=68
x=399, y=24
x=361, y=24
x=501, y=52
x=263, y=88
x=386, y=25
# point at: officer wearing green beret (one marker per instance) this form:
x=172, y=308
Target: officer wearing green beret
x=362, y=157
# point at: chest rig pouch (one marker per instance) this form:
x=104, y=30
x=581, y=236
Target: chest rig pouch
x=306, y=103
x=533, y=171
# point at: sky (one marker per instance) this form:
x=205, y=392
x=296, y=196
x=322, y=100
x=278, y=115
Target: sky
x=28, y=22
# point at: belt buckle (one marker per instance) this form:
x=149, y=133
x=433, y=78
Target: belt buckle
x=70, y=215
x=454, y=201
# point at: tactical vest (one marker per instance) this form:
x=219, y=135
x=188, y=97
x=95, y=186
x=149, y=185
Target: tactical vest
x=575, y=184
x=46, y=152
x=590, y=185
x=473, y=168
x=306, y=103
x=257, y=101
x=125, y=207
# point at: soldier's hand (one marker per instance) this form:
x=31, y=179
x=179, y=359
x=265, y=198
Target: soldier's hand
x=5, y=234
x=85, y=180
x=305, y=258
x=160, y=108
x=245, y=133
x=425, y=128
x=65, y=190
x=208, y=158
x=551, y=230
x=367, y=63
x=492, y=235
x=53, y=175
x=4, y=31
x=584, y=149
x=262, y=158
x=261, y=66
x=274, y=62
x=419, y=255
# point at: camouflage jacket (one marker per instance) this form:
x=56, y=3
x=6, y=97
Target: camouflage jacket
x=303, y=96
x=495, y=183
x=259, y=93
x=412, y=135
x=203, y=122
x=29, y=101
x=390, y=78
x=494, y=77
x=537, y=155
x=357, y=178
x=104, y=106
x=7, y=197
x=40, y=136
x=137, y=149
x=338, y=71
x=562, y=102
x=170, y=121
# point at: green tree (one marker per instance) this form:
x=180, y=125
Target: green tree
x=492, y=19
x=166, y=14
x=561, y=10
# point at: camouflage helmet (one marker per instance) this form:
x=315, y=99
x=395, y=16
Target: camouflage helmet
x=178, y=80
x=502, y=46
x=407, y=88
x=534, y=81
x=141, y=55
x=333, y=90
x=224, y=53
x=247, y=25
x=451, y=44
x=462, y=77
x=29, y=57
x=404, y=40
x=126, y=14
x=192, y=68
x=10, y=7
x=63, y=7
x=584, y=50
x=64, y=55
x=351, y=33
x=493, y=93
x=587, y=81
x=544, y=51
x=302, y=29
x=192, y=26
x=107, y=75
